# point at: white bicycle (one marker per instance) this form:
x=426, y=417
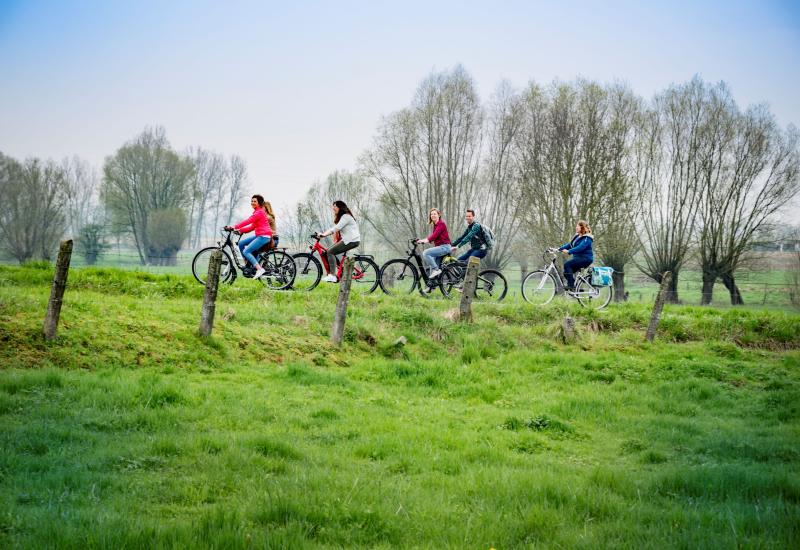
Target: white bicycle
x=540, y=287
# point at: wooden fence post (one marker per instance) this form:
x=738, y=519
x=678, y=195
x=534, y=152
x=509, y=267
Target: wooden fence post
x=210, y=296
x=57, y=291
x=340, y=315
x=655, y=317
x=470, y=282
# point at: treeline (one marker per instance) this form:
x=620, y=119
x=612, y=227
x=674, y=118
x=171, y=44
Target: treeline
x=149, y=194
x=685, y=175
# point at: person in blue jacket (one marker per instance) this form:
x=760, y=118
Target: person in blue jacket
x=580, y=247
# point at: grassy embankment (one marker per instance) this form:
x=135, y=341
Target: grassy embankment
x=130, y=431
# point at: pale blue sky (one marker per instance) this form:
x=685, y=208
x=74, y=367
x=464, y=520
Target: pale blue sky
x=297, y=88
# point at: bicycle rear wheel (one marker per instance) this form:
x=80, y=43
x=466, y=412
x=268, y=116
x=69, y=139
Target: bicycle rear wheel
x=594, y=297
x=203, y=258
x=398, y=276
x=539, y=287
x=491, y=286
x=308, y=271
x=365, y=275
x=280, y=269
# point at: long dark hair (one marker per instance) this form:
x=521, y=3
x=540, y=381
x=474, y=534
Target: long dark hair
x=343, y=209
x=259, y=198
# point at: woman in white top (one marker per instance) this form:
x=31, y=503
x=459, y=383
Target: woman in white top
x=345, y=224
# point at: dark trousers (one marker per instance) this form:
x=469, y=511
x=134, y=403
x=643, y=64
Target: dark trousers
x=573, y=265
x=338, y=248
x=477, y=252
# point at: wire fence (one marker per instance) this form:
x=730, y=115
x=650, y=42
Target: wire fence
x=768, y=288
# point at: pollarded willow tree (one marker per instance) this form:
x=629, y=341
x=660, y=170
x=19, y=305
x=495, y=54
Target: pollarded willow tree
x=426, y=156
x=756, y=173
x=144, y=177
x=681, y=136
x=32, y=212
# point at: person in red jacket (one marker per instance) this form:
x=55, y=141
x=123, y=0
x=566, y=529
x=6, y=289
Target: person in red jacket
x=259, y=223
x=440, y=240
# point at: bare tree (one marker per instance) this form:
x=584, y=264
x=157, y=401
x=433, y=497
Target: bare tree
x=499, y=192
x=81, y=194
x=207, y=191
x=145, y=175
x=32, y=218
x=237, y=185
x=679, y=138
x=427, y=155
x=754, y=174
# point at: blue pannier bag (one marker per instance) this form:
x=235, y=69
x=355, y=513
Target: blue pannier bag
x=601, y=276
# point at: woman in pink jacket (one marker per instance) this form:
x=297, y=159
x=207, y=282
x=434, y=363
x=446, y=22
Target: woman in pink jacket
x=259, y=223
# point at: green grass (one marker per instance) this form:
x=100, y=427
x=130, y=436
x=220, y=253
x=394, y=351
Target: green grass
x=130, y=431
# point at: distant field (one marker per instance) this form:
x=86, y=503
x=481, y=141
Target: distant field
x=132, y=432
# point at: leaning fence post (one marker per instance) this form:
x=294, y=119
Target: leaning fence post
x=57, y=291
x=210, y=296
x=337, y=332
x=470, y=282
x=655, y=317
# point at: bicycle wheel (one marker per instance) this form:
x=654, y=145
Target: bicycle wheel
x=491, y=286
x=398, y=276
x=280, y=269
x=595, y=297
x=365, y=275
x=539, y=287
x=308, y=271
x=452, y=279
x=203, y=258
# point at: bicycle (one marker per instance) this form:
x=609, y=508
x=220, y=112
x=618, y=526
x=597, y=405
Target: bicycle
x=539, y=287
x=490, y=286
x=309, y=269
x=279, y=267
x=401, y=276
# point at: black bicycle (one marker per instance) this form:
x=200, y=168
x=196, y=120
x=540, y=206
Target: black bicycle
x=279, y=267
x=491, y=285
x=401, y=276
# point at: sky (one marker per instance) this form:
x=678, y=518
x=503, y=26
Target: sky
x=298, y=88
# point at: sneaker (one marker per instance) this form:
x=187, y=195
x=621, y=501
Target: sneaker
x=435, y=273
x=330, y=279
x=259, y=272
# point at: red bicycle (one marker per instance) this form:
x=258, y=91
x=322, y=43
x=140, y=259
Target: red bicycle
x=309, y=269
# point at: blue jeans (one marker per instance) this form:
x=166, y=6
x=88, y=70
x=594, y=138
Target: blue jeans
x=251, y=244
x=573, y=265
x=431, y=256
x=477, y=252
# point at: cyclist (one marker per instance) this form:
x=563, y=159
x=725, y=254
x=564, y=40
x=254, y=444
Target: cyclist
x=478, y=246
x=263, y=234
x=345, y=223
x=580, y=247
x=271, y=218
x=440, y=240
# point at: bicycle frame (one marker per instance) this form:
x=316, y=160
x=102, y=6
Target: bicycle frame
x=323, y=255
x=551, y=268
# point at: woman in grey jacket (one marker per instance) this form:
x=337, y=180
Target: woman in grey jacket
x=345, y=224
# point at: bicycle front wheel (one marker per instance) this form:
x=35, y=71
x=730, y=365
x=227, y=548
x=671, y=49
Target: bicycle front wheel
x=594, y=297
x=365, y=275
x=203, y=258
x=280, y=270
x=308, y=271
x=491, y=286
x=398, y=277
x=539, y=287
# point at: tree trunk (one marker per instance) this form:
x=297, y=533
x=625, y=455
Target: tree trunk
x=736, y=295
x=619, y=286
x=708, y=288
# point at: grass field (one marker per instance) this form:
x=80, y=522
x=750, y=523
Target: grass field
x=130, y=431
